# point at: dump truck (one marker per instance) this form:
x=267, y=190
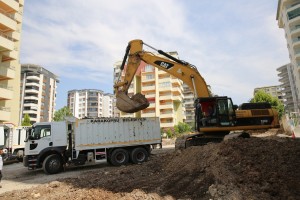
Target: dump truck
x=54, y=146
x=12, y=142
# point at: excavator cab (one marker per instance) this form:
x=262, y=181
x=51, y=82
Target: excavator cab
x=214, y=112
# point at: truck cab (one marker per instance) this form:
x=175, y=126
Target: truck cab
x=43, y=139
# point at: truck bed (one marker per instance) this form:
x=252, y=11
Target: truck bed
x=116, y=132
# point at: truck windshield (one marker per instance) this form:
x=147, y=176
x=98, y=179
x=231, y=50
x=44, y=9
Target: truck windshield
x=39, y=132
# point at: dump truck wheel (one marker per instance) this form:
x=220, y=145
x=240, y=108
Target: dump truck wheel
x=139, y=155
x=52, y=164
x=119, y=157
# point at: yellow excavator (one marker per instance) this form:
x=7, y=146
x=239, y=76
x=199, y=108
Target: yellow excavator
x=215, y=116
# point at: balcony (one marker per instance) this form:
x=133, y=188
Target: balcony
x=176, y=90
x=166, y=125
x=9, y=55
x=9, y=5
x=31, y=91
x=162, y=80
x=30, y=112
x=293, y=12
x=177, y=98
x=6, y=92
x=165, y=97
x=6, y=42
x=166, y=115
x=166, y=106
x=18, y=17
x=164, y=89
x=295, y=31
x=21, y=2
x=144, y=80
x=32, y=84
x=151, y=105
x=175, y=81
x=33, y=77
x=14, y=36
x=31, y=98
x=31, y=105
x=150, y=114
x=4, y=114
x=148, y=88
x=297, y=53
x=7, y=20
x=150, y=95
x=7, y=73
x=161, y=72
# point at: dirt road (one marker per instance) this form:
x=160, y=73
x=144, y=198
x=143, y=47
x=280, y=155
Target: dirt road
x=17, y=177
x=254, y=168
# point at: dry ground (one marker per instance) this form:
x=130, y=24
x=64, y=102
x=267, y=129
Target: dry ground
x=255, y=168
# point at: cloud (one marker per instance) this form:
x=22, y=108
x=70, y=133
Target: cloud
x=235, y=45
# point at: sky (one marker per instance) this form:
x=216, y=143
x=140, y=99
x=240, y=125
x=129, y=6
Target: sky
x=236, y=45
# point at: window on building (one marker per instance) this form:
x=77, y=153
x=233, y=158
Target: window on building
x=165, y=84
x=149, y=76
x=149, y=68
x=294, y=13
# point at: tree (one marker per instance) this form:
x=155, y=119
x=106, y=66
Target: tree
x=182, y=127
x=26, y=120
x=261, y=96
x=60, y=114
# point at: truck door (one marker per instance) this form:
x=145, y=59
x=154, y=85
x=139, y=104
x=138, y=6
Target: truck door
x=40, y=139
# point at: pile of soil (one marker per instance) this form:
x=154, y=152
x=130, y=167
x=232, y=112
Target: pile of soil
x=253, y=168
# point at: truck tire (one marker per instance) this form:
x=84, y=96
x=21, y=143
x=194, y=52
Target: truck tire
x=52, y=164
x=20, y=155
x=119, y=157
x=139, y=155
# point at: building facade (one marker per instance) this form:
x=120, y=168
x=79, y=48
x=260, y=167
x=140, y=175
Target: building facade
x=189, y=99
x=11, y=14
x=288, y=17
x=287, y=81
x=90, y=103
x=108, y=102
x=163, y=91
x=38, y=93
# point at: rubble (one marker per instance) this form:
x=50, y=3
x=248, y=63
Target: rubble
x=251, y=168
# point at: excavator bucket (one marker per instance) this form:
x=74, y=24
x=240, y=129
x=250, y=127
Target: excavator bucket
x=131, y=105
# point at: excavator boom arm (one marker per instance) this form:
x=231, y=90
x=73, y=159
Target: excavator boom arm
x=179, y=69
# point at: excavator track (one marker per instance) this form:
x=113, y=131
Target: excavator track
x=200, y=139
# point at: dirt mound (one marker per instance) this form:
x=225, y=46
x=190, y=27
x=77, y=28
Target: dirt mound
x=254, y=168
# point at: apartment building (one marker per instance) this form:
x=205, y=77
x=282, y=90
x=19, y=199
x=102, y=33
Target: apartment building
x=286, y=78
x=274, y=91
x=90, y=103
x=38, y=93
x=189, y=104
x=288, y=17
x=11, y=14
x=163, y=91
x=116, y=76
x=108, y=103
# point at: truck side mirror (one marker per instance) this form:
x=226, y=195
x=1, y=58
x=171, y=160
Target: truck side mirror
x=235, y=107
